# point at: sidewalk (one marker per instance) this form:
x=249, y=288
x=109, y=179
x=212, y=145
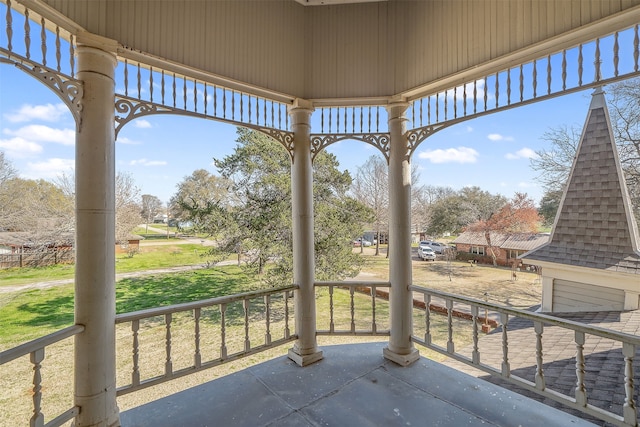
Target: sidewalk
x=119, y=276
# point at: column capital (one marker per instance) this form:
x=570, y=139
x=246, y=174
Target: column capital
x=300, y=112
x=302, y=104
x=93, y=40
x=396, y=109
x=96, y=59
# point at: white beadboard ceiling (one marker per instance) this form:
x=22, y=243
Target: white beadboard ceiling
x=349, y=50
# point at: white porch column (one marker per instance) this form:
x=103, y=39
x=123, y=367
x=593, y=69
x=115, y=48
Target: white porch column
x=400, y=349
x=95, y=297
x=305, y=350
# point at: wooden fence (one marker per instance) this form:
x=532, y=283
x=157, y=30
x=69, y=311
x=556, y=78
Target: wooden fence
x=39, y=258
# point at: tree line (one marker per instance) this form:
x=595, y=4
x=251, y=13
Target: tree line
x=45, y=210
x=246, y=205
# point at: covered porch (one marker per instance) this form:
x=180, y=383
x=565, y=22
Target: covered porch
x=391, y=89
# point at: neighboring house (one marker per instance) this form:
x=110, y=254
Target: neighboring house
x=24, y=249
x=160, y=219
x=506, y=247
x=592, y=260
x=132, y=244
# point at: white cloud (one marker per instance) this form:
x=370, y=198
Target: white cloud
x=50, y=168
x=498, y=137
x=127, y=141
x=523, y=184
x=450, y=155
x=146, y=162
x=469, y=129
x=524, y=153
x=41, y=133
x=47, y=113
x=19, y=147
x=142, y=124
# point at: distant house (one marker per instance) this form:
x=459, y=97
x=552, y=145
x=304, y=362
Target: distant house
x=25, y=249
x=160, y=219
x=506, y=247
x=592, y=260
x=131, y=244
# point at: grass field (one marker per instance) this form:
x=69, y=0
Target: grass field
x=164, y=254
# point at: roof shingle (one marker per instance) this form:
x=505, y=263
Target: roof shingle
x=595, y=227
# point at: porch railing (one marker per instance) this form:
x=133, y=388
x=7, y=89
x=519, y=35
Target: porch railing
x=582, y=334
x=36, y=351
x=363, y=295
x=166, y=343
x=162, y=337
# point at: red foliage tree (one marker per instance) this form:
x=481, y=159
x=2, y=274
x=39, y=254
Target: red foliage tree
x=518, y=215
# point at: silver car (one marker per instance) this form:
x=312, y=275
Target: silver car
x=425, y=253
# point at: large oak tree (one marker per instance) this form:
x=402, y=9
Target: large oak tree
x=260, y=221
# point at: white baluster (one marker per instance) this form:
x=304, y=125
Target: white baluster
x=197, y=357
x=629, y=408
x=539, y=378
x=506, y=368
x=223, y=331
x=135, y=373
x=245, y=307
x=267, y=303
x=37, y=419
x=475, y=354
x=581, y=392
x=168, y=365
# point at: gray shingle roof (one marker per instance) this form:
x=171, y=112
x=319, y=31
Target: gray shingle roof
x=595, y=227
x=518, y=241
x=525, y=241
x=478, y=238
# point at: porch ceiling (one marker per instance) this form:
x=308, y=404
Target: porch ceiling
x=346, y=51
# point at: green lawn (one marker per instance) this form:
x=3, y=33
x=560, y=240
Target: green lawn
x=29, y=314
x=149, y=258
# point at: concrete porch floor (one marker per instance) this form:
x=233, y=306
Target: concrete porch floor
x=352, y=386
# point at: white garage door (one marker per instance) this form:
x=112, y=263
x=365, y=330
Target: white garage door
x=573, y=296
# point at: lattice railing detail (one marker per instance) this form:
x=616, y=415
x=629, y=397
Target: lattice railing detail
x=55, y=63
x=601, y=61
x=161, y=91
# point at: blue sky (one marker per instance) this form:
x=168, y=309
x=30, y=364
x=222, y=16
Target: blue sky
x=37, y=134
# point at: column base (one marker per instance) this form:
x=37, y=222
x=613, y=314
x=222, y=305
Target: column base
x=401, y=359
x=305, y=360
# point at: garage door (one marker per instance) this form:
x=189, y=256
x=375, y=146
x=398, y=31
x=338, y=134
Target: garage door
x=574, y=296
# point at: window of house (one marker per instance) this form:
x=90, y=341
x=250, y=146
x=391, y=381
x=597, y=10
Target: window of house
x=513, y=254
x=478, y=250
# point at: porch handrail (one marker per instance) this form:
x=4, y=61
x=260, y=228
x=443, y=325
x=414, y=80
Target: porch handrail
x=227, y=299
x=628, y=342
x=137, y=382
x=35, y=349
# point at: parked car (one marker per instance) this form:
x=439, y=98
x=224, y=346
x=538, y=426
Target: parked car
x=425, y=253
x=361, y=242
x=437, y=247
